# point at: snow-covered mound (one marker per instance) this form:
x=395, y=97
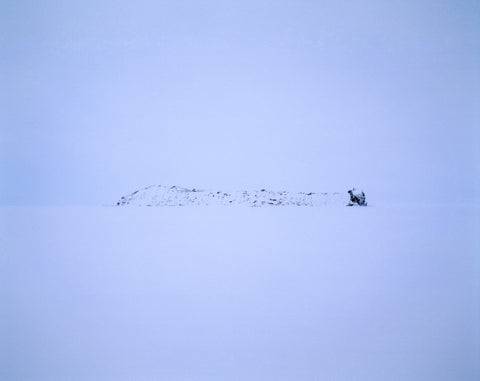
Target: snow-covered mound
x=159, y=195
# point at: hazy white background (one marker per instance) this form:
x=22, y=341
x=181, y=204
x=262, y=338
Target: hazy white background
x=100, y=98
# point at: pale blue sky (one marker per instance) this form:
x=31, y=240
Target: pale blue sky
x=100, y=98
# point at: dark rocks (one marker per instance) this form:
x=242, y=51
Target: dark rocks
x=357, y=198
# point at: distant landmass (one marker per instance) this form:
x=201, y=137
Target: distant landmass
x=160, y=195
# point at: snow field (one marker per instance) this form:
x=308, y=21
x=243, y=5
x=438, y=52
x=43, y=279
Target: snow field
x=215, y=293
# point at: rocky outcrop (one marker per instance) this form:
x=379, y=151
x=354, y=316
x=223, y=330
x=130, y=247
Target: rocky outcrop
x=159, y=195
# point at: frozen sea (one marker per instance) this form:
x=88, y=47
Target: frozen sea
x=386, y=292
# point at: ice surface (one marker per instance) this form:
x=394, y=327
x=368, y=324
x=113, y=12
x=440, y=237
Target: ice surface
x=197, y=293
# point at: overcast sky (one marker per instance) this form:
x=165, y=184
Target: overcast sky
x=99, y=98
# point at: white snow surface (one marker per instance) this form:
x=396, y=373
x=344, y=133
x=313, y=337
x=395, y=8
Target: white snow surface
x=249, y=294
x=159, y=195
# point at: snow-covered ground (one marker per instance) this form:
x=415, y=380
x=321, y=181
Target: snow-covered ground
x=216, y=293
x=160, y=195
